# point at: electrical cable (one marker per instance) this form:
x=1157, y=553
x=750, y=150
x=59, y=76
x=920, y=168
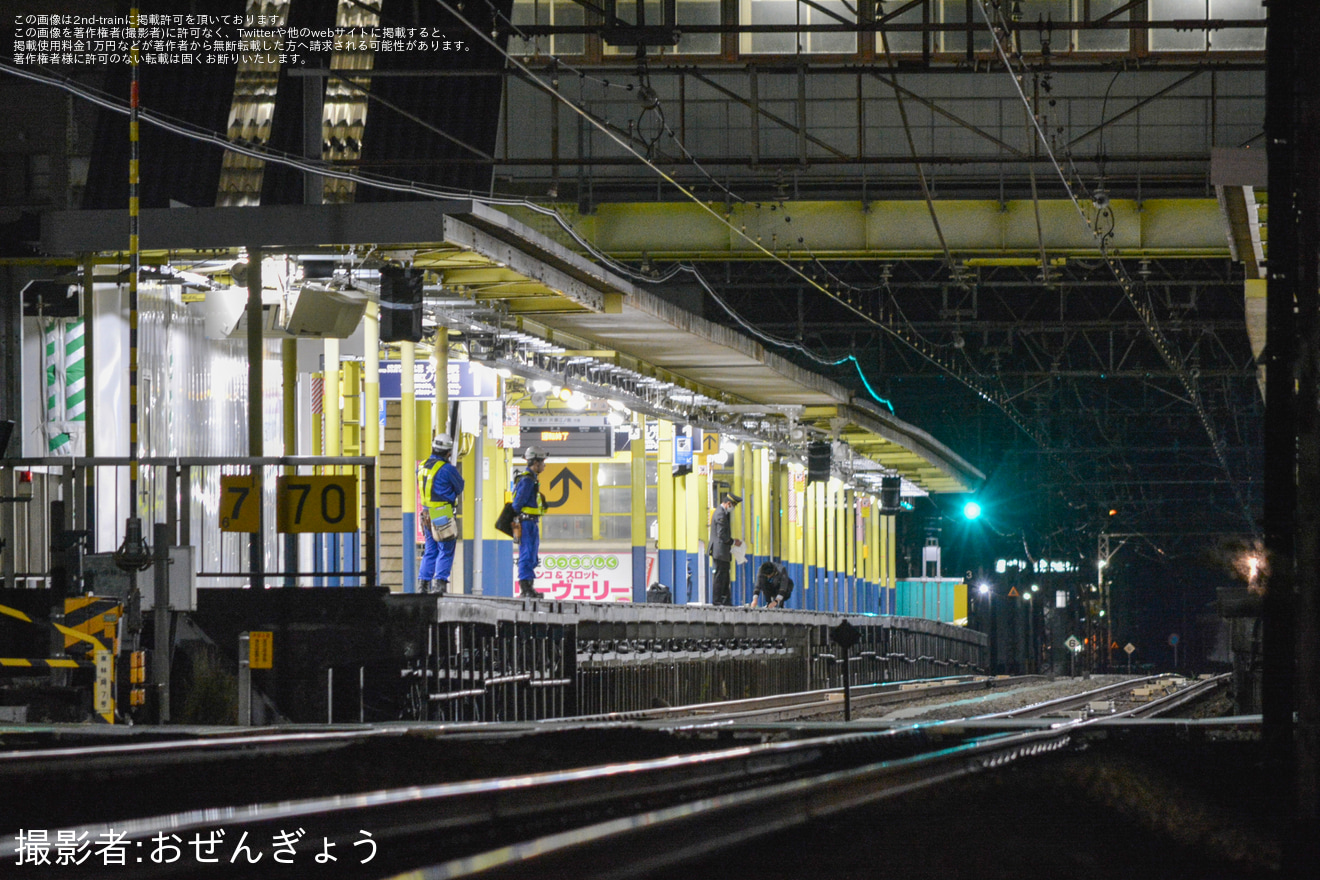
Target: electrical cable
x=1144, y=308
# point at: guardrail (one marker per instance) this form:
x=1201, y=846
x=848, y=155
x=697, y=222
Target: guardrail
x=510, y=660
x=200, y=499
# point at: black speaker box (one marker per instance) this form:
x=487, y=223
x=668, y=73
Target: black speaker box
x=891, y=495
x=400, y=304
x=818, y=462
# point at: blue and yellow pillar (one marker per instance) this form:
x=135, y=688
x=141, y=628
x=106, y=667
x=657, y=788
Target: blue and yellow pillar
x=496, y=547
x=665, y=513
x=637, y=521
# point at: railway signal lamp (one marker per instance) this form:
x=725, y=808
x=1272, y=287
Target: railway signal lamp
x=971, y=510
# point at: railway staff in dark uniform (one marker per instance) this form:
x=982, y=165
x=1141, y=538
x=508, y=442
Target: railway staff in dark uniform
x=773, y=585
x=529, y=506
x=721, y=549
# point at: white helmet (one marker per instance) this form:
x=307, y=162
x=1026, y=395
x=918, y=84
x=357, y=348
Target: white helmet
x=534, y=453
x=442, y=443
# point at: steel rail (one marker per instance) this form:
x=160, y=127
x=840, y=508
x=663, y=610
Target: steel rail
x=420, y=824
x=1159, y=706
x=806, y=700
x=650, y=841
x=1037, y=709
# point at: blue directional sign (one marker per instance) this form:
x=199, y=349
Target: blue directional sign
x=682, y=449
x=467, y=381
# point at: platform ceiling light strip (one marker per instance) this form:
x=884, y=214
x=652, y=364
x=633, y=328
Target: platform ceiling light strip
x=253, y=106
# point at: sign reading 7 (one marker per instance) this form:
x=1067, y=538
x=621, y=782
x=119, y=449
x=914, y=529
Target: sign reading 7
x=316, y=504
x=240, y=503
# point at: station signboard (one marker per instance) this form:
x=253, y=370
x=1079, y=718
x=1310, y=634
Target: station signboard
x=467, y=380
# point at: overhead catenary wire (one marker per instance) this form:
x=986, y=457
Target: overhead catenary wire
x=995, y=398
x=1143, y=307
x=398, y=185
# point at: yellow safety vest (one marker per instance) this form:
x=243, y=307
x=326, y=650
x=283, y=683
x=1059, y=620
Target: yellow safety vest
x=539, y=509
x=434, y=508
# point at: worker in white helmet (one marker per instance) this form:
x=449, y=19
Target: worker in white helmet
x=529, y=505
x=442, y=484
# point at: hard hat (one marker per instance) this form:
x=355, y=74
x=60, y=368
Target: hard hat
x=533, y=453
x=442, y=443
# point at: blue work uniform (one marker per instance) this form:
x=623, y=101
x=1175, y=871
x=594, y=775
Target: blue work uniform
x=529, y=504
x=442, y=483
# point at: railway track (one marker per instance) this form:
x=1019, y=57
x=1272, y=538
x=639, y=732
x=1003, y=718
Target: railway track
x=811, y=704
x=1145, y=697
x=660, y=812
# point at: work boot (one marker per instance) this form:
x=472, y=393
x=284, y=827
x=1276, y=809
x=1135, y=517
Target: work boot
x=526, y=590
x=439, y=586
x=424, y=586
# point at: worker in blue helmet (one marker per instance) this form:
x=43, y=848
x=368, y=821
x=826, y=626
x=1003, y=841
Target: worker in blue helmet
x=442, y=484
x=529, y=506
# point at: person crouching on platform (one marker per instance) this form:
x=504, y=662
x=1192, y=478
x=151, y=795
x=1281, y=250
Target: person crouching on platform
x=773, y=585
x=529, y=505
x=442, y=484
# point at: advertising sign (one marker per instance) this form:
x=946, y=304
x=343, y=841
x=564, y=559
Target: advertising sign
x=587, y=577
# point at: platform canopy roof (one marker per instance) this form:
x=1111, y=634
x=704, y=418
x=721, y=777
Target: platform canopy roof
x=529, y=303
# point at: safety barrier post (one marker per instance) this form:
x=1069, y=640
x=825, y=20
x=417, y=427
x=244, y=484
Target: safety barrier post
x=162, y=623
x=244, y=682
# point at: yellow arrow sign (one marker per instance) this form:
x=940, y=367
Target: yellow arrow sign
x=567, y=489
x=710, y=443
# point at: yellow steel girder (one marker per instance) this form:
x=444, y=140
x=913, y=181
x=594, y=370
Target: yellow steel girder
x=1166, y=228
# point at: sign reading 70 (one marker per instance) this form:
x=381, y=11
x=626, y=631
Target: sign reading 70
x=316, y=504
x=302, y=504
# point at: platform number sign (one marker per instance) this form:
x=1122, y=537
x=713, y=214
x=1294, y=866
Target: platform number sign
x=1073, y=644
x=316, y=504
x=240, y=503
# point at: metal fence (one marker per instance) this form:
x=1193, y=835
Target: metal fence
x=89, y=496
x=503, y=660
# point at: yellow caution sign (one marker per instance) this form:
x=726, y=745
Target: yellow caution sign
x=261, y=650
x=90, y=623
x=240, y=503
x=567, y=489
x=316, y=504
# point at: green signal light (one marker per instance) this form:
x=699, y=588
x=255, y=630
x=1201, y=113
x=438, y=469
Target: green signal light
x=971, y=510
